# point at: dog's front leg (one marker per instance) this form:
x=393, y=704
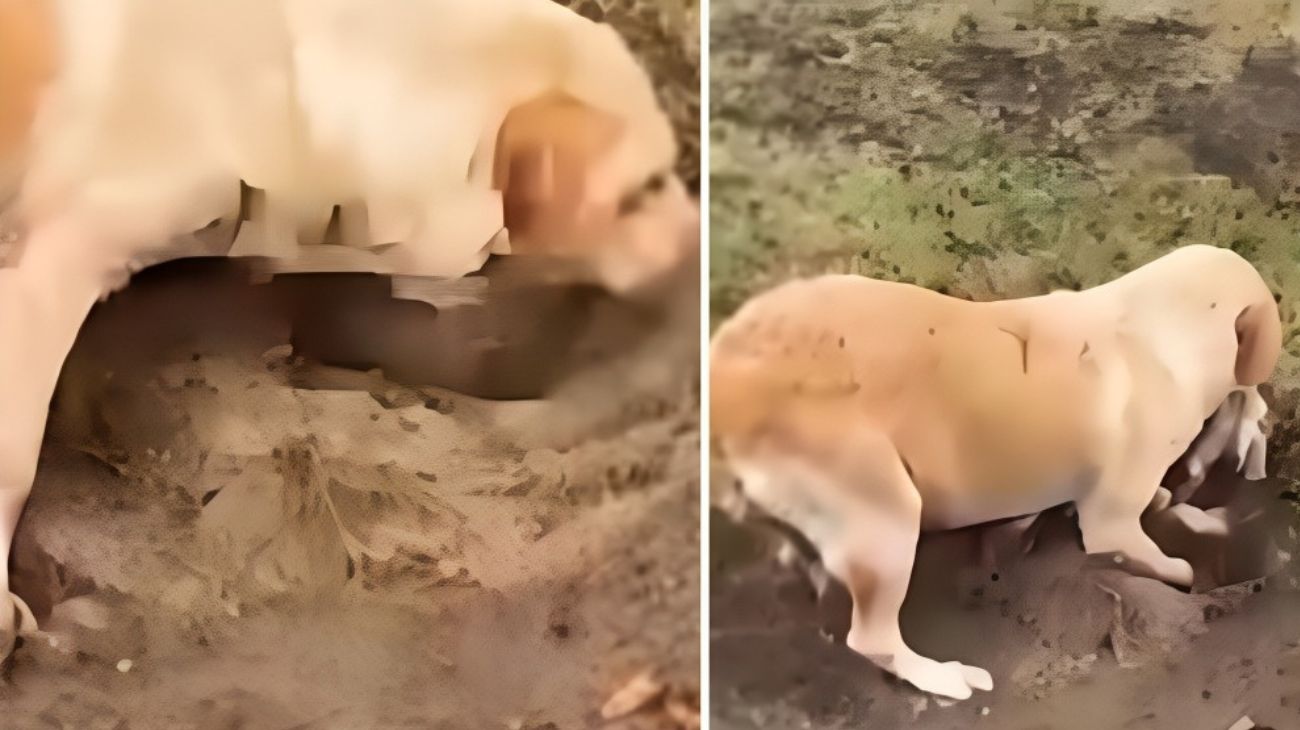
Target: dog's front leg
x=1109, y=518
x=1252, y=444
x=43, y=301
x=1234, y=430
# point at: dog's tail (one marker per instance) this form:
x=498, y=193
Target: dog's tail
x=758, y=394
x=743, y=393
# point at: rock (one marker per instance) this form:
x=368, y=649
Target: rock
x=82, y=611
x=884, y=32
x=832, y=47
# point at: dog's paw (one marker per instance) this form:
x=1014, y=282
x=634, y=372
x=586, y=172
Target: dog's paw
x=1175, y=571
x=977, y=678
x=18, y=621
x=1162, y=499
x=947, y=679
x=1211, y=522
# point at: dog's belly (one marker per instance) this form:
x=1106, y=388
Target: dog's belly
x=966, y=478
x=995, y=429
x=946, y=508
x=972, y=468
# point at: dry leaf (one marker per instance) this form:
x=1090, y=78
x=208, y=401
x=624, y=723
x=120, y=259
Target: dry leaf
x=683, y=711
x=634, y=696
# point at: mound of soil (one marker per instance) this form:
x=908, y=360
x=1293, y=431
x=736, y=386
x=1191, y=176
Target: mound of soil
x=226, y=534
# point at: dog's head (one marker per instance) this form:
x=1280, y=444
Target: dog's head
x=586, y=172
x=1217, y=300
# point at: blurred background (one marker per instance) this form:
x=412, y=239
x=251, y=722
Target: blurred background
x=303, y=503
x=993, y=149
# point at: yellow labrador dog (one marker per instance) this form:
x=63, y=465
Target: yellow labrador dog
x=863, y=412
x=411, y=138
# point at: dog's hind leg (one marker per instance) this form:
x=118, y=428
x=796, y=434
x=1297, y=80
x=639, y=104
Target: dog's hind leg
x=864, y=516
x=874, y=559
x=44, y=299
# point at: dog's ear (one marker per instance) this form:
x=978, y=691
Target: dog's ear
x=546, y=153
x=28, y=56
x=1259, y=341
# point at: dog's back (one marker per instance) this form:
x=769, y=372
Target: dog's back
x=979, y=408
x=802, y=345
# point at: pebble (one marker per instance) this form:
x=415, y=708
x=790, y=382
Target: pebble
x=919, y=705
x=125, y=665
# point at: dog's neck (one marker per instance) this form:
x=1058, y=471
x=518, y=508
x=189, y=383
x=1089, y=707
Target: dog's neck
x=1185, y=315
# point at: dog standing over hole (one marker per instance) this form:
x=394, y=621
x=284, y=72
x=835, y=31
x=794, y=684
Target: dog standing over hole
x=862, y=412
x=410, y=138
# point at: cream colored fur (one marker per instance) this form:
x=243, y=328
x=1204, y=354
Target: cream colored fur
x=1235, y=430
x=863, y=412
x=444, y=130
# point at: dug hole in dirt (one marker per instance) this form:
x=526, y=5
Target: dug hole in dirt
x=224, y=533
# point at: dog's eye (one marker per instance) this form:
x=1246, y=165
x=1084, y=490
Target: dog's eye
x=655, y=183
x=633, y=202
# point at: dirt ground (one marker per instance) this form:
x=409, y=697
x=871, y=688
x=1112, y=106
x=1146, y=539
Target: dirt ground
x=227, y=534
x=999, y=149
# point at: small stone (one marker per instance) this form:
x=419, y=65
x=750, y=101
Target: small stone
x=277, y=354
x=1245, y=723
x=919, y=705
x=125, y=665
